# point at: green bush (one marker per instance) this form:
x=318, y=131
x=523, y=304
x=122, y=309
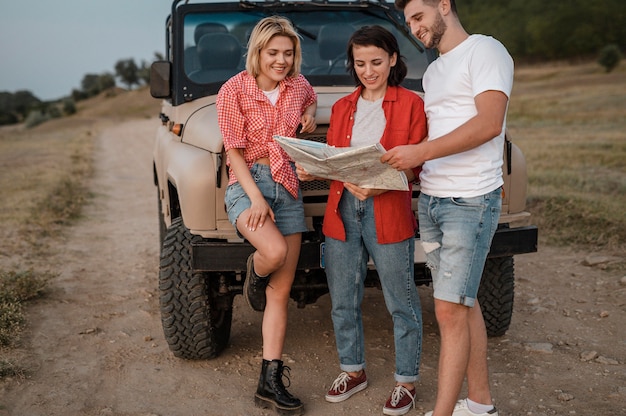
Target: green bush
x=54, y=112
x=610, y=56
x=35, y=118
x=69, y=106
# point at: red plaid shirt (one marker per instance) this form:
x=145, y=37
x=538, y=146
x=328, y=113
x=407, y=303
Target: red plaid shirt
x=248, y=121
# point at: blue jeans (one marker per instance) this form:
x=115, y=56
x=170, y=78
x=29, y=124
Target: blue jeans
x=346, y=268
x=456, y=234
x=288, y=212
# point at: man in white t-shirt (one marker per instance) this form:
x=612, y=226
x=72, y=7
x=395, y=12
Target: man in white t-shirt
x=466, y=93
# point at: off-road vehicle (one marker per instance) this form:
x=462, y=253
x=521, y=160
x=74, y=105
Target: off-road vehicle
x=203, y=261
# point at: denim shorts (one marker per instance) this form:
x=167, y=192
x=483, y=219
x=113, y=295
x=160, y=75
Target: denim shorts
x=288, y=212
x=456, y=235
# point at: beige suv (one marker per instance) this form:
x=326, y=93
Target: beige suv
x=203, y=261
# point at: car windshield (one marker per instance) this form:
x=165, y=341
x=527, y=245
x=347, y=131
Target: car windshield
x=215, y=44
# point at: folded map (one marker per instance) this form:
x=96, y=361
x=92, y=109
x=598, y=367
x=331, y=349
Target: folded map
x=357, y=165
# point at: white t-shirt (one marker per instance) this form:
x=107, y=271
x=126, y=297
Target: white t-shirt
x=478, y=64
x=272, y=95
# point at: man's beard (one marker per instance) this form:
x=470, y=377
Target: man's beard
x=437, y=30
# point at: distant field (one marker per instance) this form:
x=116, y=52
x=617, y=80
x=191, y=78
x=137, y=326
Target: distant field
x=570, y=122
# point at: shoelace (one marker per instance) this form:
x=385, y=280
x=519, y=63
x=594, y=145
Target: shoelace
x=463, y=405
x=398, y=393
x=341, y=383
x=283, y=375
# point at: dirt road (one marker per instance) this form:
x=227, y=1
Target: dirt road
x=97, y=347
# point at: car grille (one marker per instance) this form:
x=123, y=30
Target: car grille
x=312, y=186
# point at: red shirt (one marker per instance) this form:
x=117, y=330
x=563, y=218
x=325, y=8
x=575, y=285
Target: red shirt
x=248, y=121
x=406, y=124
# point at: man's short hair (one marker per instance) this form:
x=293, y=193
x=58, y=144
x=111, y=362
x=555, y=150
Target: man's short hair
x=401, y=4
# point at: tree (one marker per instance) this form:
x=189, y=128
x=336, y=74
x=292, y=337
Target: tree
x=610, y=56
x=78, y=95
x=94, y=84
x=24, y=101
x=127, y=71
x=91, y=85
x=69, y=106
x=7, y=113
x=106, y=81
x=540, y=30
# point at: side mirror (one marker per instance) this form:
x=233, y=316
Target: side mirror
x=160, y=79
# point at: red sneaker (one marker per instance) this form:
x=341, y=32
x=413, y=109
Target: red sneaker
x=345, y=386
x=400, y=401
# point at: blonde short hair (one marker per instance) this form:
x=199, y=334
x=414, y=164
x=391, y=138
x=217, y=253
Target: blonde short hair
x=261, y=35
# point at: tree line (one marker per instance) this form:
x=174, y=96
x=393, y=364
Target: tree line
x=23, y=106
x=540, y=30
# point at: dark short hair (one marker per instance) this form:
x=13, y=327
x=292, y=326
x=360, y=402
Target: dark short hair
x=381, y=38
x=401, y=4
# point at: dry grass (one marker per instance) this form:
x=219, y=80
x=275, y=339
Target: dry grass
x=570, y=122
x=15, y=289
x=119, y=104
x=45, y=170
x=45, y=182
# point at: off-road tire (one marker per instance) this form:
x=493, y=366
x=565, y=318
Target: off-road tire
x=194, y=328
x=496, y=294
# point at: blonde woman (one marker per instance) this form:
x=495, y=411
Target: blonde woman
x=263, y=197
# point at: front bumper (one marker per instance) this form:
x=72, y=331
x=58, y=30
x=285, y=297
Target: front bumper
x=210, y=256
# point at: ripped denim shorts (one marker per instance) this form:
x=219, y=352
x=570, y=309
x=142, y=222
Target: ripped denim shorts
x=456, y=235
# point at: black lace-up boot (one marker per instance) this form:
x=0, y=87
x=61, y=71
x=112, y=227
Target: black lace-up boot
x=271, y=392
x=254, y=287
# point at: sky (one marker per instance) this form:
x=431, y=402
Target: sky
x=47, y=47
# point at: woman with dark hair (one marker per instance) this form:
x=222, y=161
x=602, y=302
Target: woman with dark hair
x=360, y=223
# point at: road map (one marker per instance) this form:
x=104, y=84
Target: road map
x=357, y=165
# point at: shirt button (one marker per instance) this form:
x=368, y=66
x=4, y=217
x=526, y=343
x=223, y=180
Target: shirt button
x=338, y=192
x=348, y=136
